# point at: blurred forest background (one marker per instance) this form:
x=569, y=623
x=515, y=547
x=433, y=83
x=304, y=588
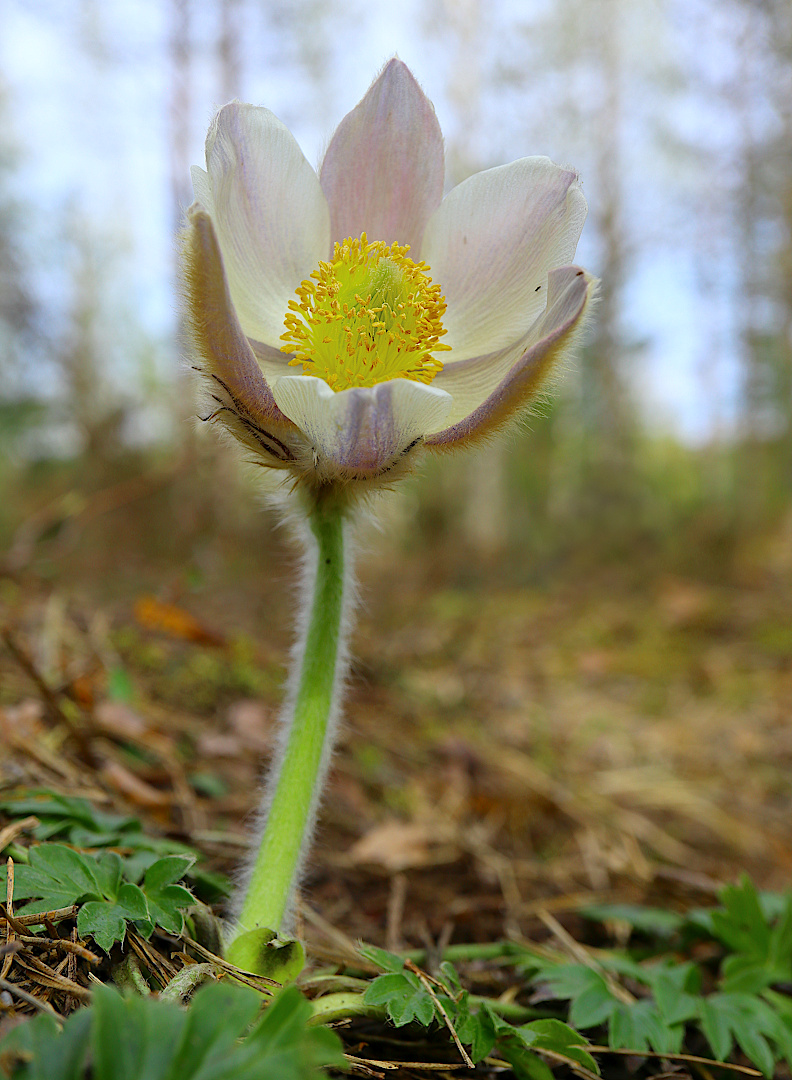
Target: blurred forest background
x=605, y=593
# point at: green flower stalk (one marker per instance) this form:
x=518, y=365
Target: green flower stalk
x=345, y=323
x=308, y=725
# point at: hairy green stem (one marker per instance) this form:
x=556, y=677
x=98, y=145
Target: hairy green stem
x=490, y=950
x=346, y=1005
x=343, y=1006
x=298, y=771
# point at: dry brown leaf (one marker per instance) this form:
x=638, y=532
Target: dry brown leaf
x=212, y=745
x=595, y=663
x=684, y=603
x=251, y=722
x=118, y=719
x=154, y=614
x=394, y=844
x=132, y=787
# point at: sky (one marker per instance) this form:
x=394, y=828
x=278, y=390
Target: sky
x=89, y=85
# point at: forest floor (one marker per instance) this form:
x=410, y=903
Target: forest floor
x=508, y=755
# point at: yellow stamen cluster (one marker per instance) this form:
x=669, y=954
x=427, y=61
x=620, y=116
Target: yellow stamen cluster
x=369, y=315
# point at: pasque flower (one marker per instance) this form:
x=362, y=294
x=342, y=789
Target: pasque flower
x=349, y=319
x=345, y=322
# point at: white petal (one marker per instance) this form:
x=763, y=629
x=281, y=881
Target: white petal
x=269, y=212
x=490, y=246
x=383, y=170
x=364, y=429
x=202, y=186
x=472, y=381
x=488, y=390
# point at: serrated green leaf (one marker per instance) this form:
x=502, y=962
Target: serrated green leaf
x=166, y=871
x=742, y=926
x=475, y=1030
x=716, y=1025
x=569, y=980
x=282, y=1045
x=136, y=865
x=756, y=1047
x=417, y=1005
x=37, y=1050
x=639, y=1026
x=621, y=1031
x=449, y=973
x=148, y=1039
x=218, y=1015
x=103, y=922
x=751, y=1019
x=623, y=966
x=780, y=945
x=593, y=1006
x=670, y=985
x=388, y=961
x=384, y=987
x=657, y=921
x=166, y=901
x=133, y=1038
x=132, y=901
x=525, y=1064
x=166, y=907
x=782, y=1028
x=106, y=920
x=560, y=1038
x=73, y=819
x=56, y=876
x=663, y=1035
x=109, y=870
x=403, y=1000
x=741, y=974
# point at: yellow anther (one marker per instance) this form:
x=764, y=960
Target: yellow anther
x=396, y=329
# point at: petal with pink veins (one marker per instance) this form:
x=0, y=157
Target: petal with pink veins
x=383, y=170
x=491, y=245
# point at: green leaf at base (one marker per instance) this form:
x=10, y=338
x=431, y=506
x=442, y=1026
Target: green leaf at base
x=147, y=1039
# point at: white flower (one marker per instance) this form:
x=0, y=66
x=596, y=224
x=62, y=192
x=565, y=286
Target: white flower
x=418, y=321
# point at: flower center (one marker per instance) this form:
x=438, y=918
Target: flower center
x=367, y=316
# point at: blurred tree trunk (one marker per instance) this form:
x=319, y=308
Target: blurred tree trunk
x=180, y=107
x=609, y=413
x=763, y=233
x=485, y=521
x=181, y=110
x=228, y=48
x=90, y=403
x=607, y=473
x=780, y=13
x=18, y=308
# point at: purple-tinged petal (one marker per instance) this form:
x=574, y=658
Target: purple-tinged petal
x=555, y=333
x=363, y=431
x=492, y=243
x=222, y=352
x=273, y=363
x=269, y=213
x=383, y=170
